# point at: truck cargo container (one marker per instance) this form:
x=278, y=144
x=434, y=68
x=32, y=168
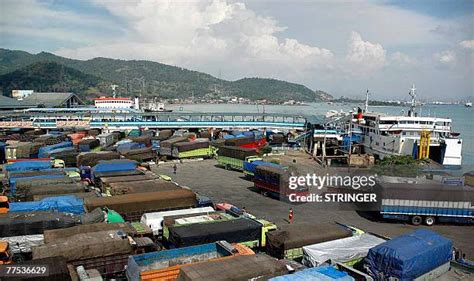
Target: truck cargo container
x=239, y=230
x=106, y=251
x=28, y=166
x=105, y=181
x=64, y=204
x=192, y=149
x=166, y=147
x=323, y=273
x=251, y=166
x=29, y=182
x=249, y=267
x=155, y=220
x=133, y=206
x=80, y=195
x=348, y=250
x=119, y=165
x=275, y=181
x=119, y=188
x=18, y=150
x=27, y=194
x=165, y=265
x=139, y=154
x=198, y=218
x=92, y=158
x=15, y=224
x=20, y=246
x=43, y=151
x=409, y=256
x=426, y=202
x=107, y=139
x=133, y=230
x=288, y=241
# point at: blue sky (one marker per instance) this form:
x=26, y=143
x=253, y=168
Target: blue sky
x=342, y=47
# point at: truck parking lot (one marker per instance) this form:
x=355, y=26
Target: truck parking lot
x=206, y=178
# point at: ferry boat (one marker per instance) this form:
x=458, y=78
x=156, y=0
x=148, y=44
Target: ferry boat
x=386, y=135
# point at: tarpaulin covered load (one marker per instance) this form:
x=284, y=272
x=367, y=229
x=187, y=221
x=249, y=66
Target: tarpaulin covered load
x=169, y=143
x=323, y=273
x=14, y=224
x=25, y=174
x=233, y=231
x=236, y=152
x=274, y=175
x=252, y=166
x=408, y=256
x=114, y=166
x=69, y=157
x=144, y=202
x=340, y=250
x=424, y=191
x=29, y=182
x=86, y=246
x=19, y=150
x=86, y=145
x=239, y=141
x=98, y=176
x=50, y=139
x=23, y=243
x=204, y=134
x=64, y=204
x=57, y=270
x=155, y=220
x=79, y=195
x=147, y=176
x=203, y=217
x=238, y=268
x=28, y=166
x=43, y=152
x=128, y=146
x=50, y=236
x=60, y=150
x=165, y=133
x=293, y=236
x=119, y=188
x=92, y=158
x=146, y=140
x=187, y=146
x=27, y=194
x=140, y=154
x=277, y=138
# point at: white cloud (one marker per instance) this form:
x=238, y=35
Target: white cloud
x=402, y=59
x=446, y=57
x=467, y=44
x=364, y=56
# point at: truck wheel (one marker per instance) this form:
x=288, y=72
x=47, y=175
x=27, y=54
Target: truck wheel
x=429, y=221
x=416, y=220
x=18, y=258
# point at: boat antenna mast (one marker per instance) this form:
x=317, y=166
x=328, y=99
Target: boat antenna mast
x=413, y=100
x=366, y=107
x=113, y=89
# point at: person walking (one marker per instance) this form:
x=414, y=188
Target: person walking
x=175, y=168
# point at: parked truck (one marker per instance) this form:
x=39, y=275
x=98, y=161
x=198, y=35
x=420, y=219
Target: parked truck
x=425, y=202
x=133, y=206
x=165, y=265
x=19, y=247
x=106, y=251
x=274, y=180
x=251, y=166
x=192, y=149
x=233, y=157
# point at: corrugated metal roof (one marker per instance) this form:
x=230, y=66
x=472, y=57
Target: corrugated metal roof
x=49, y=99
x=9, y=103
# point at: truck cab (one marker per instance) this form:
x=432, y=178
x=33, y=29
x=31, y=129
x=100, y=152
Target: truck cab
x=4, y=206
x=5, y=256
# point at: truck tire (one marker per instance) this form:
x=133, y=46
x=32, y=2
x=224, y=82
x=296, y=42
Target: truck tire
x=416, y=220
x=429, y=221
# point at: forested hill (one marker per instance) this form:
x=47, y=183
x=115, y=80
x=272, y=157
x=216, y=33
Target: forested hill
x=48, y=72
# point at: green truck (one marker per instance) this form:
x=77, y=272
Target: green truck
x=234, y=163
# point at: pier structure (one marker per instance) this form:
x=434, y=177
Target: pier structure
x=131, y=119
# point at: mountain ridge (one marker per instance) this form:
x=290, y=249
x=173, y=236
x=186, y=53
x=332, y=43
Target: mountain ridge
x=150, y=79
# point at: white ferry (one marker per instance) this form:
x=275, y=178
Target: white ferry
x=385, y=135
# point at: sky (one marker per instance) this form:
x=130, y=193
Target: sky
x=341, y=47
